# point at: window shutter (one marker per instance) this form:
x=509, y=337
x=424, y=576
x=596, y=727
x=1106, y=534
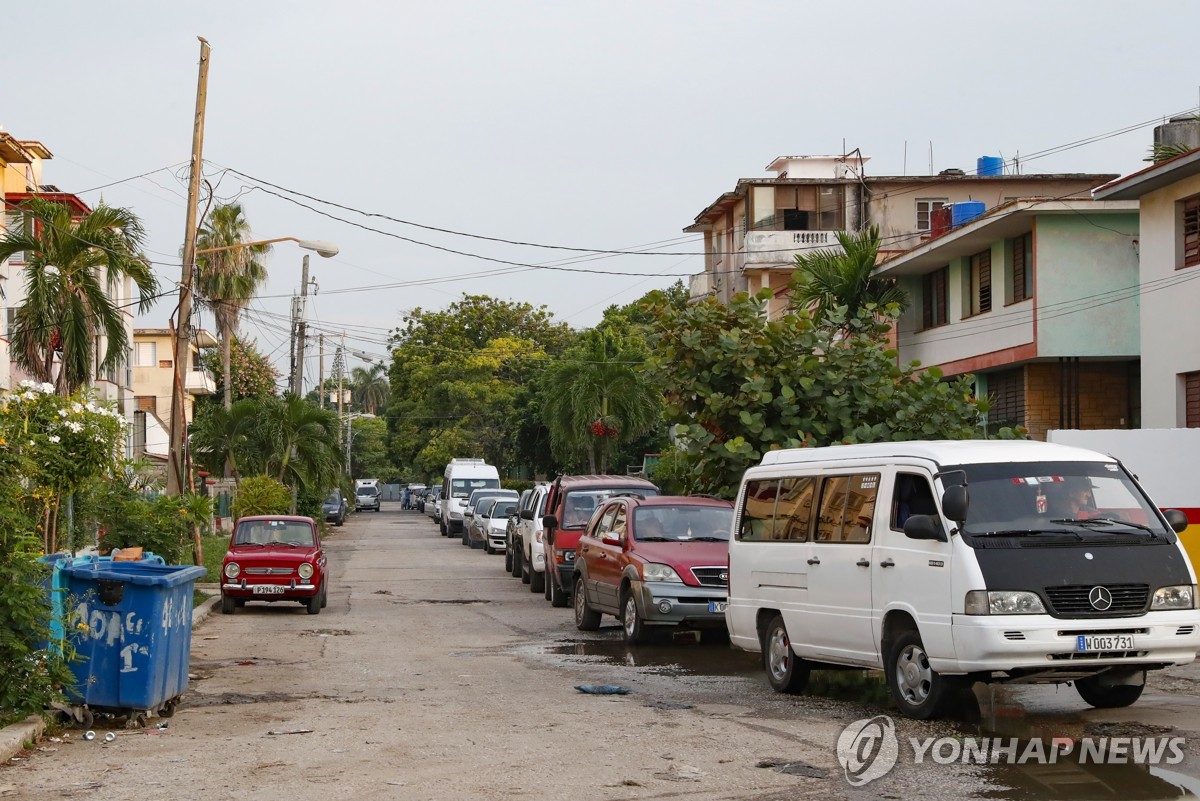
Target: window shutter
x=1191, y=387
x=1018, y=271
x=985, y=281
x=1191, y=231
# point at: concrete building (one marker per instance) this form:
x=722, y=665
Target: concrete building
x=1169, y=194
x=153, y=375
x=22, y=163
x=1038, y=299
x=752, y=233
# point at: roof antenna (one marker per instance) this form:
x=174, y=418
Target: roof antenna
x=931, y=157
x=904, y=169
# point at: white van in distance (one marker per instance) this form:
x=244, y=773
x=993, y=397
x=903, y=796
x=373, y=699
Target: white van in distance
x=462, y=477
x=945, y=563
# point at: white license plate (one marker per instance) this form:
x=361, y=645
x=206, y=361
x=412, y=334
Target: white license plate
x=1104, y=642
x=717, y=606
x=269, y=589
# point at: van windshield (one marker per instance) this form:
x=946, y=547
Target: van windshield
x=463, y=487
x=1080, y=501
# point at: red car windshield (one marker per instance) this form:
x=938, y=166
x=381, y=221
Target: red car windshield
x=681, y=522
x=274, y=532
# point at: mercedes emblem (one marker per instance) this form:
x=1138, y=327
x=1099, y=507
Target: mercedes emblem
x=1100, y=598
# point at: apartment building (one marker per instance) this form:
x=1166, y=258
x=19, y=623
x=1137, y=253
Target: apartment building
x=153, y=376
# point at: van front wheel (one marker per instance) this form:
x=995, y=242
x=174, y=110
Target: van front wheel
x=1109, y=696
x=786, y=672
x=919, y=690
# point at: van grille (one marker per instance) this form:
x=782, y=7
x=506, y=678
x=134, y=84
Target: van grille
x=1072, y=600
x=1014, y=635
x=712, y=576
x=1074, y=656
x=1185, y=630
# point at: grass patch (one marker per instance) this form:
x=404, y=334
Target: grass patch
x=214, y=547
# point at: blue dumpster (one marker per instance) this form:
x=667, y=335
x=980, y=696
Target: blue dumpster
x=54, y=585
x=131, y=625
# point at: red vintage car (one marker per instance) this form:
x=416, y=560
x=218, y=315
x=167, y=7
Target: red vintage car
x=274, y=558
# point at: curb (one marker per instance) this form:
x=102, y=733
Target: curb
x=204, y=610
x=14, y=737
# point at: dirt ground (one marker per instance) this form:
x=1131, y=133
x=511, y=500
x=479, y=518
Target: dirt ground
x=432, y=674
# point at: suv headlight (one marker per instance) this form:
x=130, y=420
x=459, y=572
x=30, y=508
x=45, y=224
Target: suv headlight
x=232, y=570
x=305, y=570
x=656, y=572
x=1004, y=602
x=1181, y=596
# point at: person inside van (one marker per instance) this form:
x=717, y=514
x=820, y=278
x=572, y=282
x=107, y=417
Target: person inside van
x=579, y=509
x=1072, y=500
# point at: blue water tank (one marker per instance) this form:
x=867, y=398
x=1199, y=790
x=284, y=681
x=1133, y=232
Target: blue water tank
x=966, y=211
x=990, y=165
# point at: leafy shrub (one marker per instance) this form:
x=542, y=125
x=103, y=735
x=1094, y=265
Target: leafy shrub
x=261, y=495
x=518, y=484
x=161, y=524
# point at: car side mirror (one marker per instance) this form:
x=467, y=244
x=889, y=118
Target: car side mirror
x=549, y=522
x=1176, y=519
x=923, y=527
x=955, y=501
x=612, y=539
x=526, y=514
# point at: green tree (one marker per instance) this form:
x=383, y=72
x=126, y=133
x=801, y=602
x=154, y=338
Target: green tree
x=596, y=397
x=227, y=279
x=738, y=386
x=296, y=443
x=369, y=388
x=369, y=454
x=219, y=435
x=828, y=280
x=67, y=303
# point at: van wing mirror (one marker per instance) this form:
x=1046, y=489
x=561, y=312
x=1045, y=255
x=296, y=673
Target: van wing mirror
x=923, y=527
x=955, y=501
x=526, y=514
x=1176, y=519
x=549, y=522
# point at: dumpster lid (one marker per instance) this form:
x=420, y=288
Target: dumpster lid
x=140, y=573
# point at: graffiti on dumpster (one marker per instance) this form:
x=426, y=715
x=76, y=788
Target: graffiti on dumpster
x=113, y=627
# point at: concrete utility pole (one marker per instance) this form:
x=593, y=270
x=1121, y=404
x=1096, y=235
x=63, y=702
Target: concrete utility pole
x=292, y=343
x=321, y=370
x=301, y=331
x=176, y=480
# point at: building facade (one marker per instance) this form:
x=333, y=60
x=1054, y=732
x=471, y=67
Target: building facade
x=153, y=376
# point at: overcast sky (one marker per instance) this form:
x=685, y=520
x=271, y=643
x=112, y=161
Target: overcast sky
x=599, y=125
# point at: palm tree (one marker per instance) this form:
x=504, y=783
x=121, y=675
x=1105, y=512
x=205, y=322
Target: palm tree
x=67, y=306
x=219, y=436
x=227, y=279
x=594, y=399
x=370, y=387
x=827, y=280
x=296, y=443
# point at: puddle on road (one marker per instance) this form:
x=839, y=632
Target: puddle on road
x=664, y=659
x=999, y=714
x=451, y=601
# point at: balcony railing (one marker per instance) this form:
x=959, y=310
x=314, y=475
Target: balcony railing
x=765, y=248
x=200, y=382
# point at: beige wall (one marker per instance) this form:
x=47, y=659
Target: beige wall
x=1103, y=397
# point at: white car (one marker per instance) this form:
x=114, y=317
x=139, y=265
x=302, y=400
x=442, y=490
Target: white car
x=493, y=520
x=532, y=560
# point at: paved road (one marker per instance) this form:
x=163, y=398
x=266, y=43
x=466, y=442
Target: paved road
x=434, y=675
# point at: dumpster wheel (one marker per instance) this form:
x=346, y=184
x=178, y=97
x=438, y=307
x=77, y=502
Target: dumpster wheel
x=168, y=708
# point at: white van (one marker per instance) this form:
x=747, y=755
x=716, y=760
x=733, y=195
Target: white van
x=945, y=563
x=462, y=477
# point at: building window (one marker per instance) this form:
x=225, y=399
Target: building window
x=1022, y=268
x=981, y=282
x=10, y=320
x=1006, y=397
x=925, y=209
x=147, y=403
x=145, y=354
x=933, y=297
x=1191, y=231
x=16, y=221
x=1191, y=400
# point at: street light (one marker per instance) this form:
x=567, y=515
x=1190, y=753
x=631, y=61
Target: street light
x=178, y=435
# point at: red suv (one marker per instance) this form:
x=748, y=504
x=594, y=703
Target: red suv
x=654, y=561
x=570, y=503
x=274, y=558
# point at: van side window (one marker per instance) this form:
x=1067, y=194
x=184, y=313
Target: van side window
x=913, y=496
x=847, y=508
x=758, y=513
x=794, y=511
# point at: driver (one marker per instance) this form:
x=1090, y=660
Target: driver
x=1074, y=501
x=578, y=511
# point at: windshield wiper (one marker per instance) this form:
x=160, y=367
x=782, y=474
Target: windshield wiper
x=655, y=539
x=1024, y=532
x=709, y=539
x=1113, y=521
x=256, y=544
x=277, y=542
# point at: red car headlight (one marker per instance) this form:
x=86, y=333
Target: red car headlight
x=305, y=570
x=232, y=570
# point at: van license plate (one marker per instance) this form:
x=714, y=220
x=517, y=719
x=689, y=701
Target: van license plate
x=269, y=589
x=1104, y=642
x=717, y=606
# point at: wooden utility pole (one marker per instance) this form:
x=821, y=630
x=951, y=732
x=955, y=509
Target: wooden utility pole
x=175, y=455
x=301, y=332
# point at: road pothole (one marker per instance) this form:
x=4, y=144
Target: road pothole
x=326, y=633
x=231, y=699
x=453, y=601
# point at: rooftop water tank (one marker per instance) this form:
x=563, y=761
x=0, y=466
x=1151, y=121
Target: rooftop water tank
x=990, y=165
x=966, y=211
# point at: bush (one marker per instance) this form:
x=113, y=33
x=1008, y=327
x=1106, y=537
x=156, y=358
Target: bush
x=518, y=484
x=161, y=524
x=261, y=495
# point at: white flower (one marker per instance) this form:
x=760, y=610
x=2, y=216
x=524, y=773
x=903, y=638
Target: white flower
x=47, y=388
x=76, y=427
x=54, y=439
x=62, y=412
x=27, y=383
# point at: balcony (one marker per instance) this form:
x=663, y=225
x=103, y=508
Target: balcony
x=776, y=248
x=200, y=382
x=700, y=286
